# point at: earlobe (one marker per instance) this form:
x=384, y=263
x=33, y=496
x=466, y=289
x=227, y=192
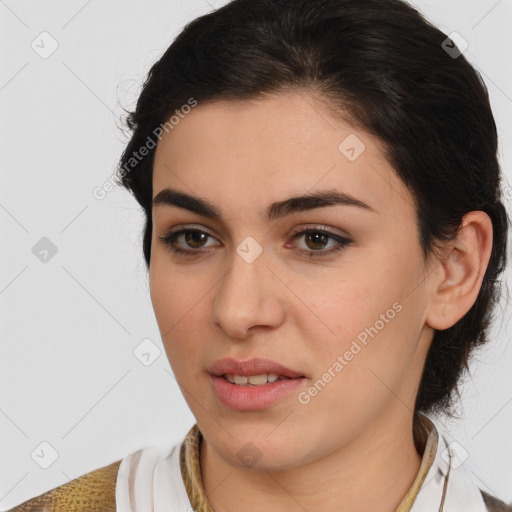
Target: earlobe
x=463, y=263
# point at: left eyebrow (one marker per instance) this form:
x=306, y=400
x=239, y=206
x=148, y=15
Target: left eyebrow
x=319, y=199
x=276, y=210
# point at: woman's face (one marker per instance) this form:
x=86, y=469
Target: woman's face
x=350, y=322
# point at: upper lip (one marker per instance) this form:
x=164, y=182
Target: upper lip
x=255, y=366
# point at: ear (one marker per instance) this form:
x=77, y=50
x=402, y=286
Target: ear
x=462, y=265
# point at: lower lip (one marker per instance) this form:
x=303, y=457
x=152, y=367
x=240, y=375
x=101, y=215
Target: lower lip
x=252, y=398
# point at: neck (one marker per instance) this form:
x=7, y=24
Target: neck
x=372, y=472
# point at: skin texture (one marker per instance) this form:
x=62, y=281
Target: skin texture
x=352, y=444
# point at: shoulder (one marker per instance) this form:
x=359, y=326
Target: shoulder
x=93, y=492
x=494, y=504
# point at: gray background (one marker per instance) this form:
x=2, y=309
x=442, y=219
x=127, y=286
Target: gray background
x=72, y=325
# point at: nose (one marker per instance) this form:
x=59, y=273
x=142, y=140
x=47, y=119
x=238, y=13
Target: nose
x=249, y=296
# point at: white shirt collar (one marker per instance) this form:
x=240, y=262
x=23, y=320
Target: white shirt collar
x=150, y=480
x=448, y=480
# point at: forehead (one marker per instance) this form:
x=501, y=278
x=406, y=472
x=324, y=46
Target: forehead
x=284, y=144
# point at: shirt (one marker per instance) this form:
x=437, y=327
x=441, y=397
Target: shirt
x=169, y=479
x=160, y=479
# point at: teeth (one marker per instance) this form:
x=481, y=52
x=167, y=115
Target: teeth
x=240, y=379
x=254, y=380
x=257, y=380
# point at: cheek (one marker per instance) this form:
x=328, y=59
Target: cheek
x=164, y=297
x=364, y=311
x=174, y=294
x=346, y=301
x=367, y=356
x=177, y=304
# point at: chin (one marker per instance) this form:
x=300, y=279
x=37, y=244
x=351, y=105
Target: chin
x=254, y=448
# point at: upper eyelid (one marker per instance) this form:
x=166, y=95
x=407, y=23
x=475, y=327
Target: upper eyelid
x=338, y=237
x=184, y=229
x=299, y=230
x=341, y=240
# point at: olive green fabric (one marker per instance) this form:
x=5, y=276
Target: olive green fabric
x=92, y=492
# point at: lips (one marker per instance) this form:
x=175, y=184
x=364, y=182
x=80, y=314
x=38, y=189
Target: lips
x=258, y=396
x=255, y=366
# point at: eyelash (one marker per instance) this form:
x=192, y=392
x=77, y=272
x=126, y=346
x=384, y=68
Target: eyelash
x=170, y=238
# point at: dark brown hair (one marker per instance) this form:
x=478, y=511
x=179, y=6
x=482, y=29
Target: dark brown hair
x=390, y=72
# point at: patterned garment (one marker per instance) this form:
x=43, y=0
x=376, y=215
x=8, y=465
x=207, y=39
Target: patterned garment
x=96, y=491
x=92, y=492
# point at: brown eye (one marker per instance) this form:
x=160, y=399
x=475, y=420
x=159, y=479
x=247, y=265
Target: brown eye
x=318, y=240
x=195, y=239
x=315, y=240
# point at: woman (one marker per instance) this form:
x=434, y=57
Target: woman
x=324, y=236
